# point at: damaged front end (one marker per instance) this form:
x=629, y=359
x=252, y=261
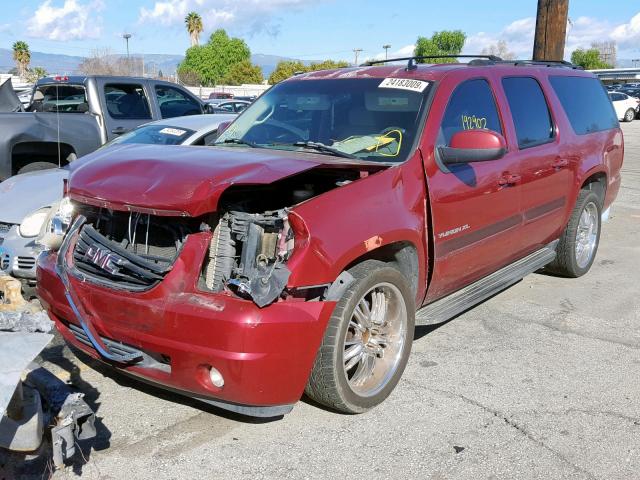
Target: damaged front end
x=248, y=255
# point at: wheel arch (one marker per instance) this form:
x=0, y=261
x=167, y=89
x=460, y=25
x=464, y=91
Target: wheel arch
x=24, y=153
x=597, y=183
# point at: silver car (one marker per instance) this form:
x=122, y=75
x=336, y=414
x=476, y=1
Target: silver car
x=29, y=200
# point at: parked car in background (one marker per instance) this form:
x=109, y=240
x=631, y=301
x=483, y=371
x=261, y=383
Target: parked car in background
x=71, y=116
x=29, y=200
x=220, y=95
x=233, y=106
x=626, y=107
x=339, y=209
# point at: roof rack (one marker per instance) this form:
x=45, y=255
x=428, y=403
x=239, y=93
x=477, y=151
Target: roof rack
x=412, y=62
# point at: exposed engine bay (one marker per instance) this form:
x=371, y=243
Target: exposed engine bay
x=248, y=254
x=250, y=246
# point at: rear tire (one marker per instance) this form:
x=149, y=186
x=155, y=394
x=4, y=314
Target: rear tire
x=579, y=242
x=37, y=166
x=629, y=115
x=367, y=342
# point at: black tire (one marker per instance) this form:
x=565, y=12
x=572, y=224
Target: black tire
x=328, y=383
x=566, y=263
x=36, y=166
x=629, y=115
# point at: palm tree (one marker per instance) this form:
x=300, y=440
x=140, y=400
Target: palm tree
x=22, y=56
x=193, y=22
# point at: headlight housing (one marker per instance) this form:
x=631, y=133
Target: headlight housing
x=58, y=223
x=32, y=224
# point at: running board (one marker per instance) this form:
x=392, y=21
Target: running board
x=457, y=302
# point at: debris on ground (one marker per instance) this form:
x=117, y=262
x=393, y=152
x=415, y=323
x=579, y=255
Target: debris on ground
x=32, y=399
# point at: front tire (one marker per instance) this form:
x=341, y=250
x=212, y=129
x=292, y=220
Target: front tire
x=579, y=242
x=37, y=166
x=367, y=343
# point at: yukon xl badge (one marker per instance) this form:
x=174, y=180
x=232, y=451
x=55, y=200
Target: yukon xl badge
x=454, y=231
x=105, y=259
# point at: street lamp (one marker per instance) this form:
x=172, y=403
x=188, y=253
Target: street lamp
x=126, y=37
x=386, y=49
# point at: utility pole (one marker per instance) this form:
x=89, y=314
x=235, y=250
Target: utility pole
x=386, y=49
x=357, y=51
x=551, y=28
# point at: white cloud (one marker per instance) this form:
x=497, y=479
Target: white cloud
x=518, y=35
x=253, y=16
x=581, y=33
x=628, y=34
x=74, y=20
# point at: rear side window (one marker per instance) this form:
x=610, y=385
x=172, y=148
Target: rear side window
x=127, y=102
x=586, y=104
x=471, y=106
x=529, y=110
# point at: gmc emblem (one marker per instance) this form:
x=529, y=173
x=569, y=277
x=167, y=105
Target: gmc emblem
x=105, y=259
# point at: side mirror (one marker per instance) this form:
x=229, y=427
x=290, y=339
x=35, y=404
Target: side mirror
x=468, y=146
x=209, y=108
x=222, y=126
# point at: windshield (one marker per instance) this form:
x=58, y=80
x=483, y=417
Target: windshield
x=369, y=119
x=154, y=135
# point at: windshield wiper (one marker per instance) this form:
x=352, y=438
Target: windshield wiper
x=238, y=141
x=321, y=147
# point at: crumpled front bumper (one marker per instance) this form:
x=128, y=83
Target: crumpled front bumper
x=265, y=355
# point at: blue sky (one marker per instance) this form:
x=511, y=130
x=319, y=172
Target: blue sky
x=308, y=29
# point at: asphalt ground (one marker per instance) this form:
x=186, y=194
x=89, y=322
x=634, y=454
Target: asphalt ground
x=539, y=382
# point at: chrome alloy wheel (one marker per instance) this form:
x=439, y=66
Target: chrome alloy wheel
x=375, y=339
x=587, y=235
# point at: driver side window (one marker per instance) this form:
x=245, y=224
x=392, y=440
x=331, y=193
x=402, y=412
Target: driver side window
x=470, y=107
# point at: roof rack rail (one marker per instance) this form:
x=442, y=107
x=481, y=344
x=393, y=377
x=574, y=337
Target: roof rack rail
x=413, y=61
x=547, y=63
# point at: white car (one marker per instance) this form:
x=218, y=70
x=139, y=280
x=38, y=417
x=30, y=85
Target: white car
x=626, y=107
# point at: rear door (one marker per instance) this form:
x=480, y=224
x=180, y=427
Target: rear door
x=125, y=106
x=476, y=215
x=545, y=172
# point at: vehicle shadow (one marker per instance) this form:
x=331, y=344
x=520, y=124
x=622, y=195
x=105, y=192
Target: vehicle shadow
x=39, y=464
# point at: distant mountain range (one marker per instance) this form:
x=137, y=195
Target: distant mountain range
x=68, y=64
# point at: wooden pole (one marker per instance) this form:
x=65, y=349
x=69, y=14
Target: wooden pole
x=551, y=28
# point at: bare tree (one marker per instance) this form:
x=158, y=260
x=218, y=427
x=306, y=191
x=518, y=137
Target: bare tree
x=500, y=49
x=104, y=62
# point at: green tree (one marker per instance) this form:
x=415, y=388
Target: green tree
x=287, y=68
x=213, y=60
x=446, y=42
x=193, y=22
x=22, y=56
x=35, y=74
x=243, y=72
x=588, y=59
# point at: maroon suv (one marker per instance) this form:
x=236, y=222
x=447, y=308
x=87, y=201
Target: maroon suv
x=343, y=207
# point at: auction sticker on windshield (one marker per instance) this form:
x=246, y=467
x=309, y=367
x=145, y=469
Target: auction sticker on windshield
x=173, y=131
x=404, y=84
